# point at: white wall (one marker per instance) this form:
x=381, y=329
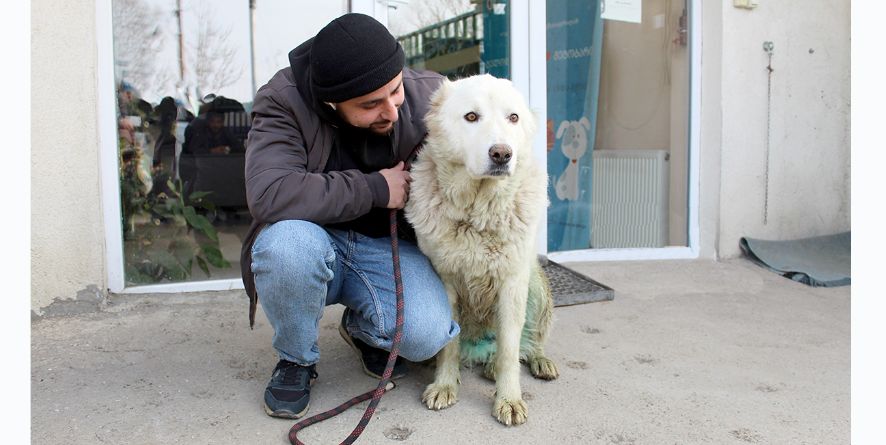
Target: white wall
x=809, y=174
x=67, y=235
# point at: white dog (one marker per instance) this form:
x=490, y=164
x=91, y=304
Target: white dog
x=476, y=199
x=574, y=144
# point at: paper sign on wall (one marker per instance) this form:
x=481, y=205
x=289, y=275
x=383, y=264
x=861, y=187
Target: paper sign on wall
x=622, y=10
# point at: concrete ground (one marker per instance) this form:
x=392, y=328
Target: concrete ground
x=688, y=352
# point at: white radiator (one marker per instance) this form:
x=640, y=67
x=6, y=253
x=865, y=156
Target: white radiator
x=629, y=199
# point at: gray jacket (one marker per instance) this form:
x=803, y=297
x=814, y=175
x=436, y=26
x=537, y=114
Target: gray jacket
x=287, y=150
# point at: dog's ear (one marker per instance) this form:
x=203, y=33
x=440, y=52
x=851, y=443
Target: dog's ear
x=439, y=94
x=563, y=126
x=585, y=123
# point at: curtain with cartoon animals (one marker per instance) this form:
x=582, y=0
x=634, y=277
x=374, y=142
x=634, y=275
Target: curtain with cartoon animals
x=574, y=42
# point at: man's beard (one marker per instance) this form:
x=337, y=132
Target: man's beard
x=379, y=129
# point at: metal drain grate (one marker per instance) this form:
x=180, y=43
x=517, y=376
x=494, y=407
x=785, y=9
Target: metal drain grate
x=570, y=287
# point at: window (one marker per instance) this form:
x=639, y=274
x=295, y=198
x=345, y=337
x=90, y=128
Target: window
x=185, y=72
x=618, y=125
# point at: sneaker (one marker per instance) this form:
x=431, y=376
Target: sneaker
x=374, y=360
x=288, y=394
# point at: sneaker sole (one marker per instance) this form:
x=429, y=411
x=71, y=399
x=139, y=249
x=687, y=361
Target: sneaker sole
x=347, y=339
x=284, y=414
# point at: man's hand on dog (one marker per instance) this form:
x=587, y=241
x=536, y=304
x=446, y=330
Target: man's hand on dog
x=398, y=185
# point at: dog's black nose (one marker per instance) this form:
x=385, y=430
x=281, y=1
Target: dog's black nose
x=500, y=153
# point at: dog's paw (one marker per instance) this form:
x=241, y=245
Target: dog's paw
x=510, y=412
x=543, y=368
x=438, y=396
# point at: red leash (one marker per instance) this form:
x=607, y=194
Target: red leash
x=384, y=384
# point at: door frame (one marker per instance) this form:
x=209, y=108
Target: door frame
x=537, y=31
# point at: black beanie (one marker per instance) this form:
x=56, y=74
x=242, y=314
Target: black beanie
x=352, y=56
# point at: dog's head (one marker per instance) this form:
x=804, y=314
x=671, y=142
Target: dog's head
x=481, y=122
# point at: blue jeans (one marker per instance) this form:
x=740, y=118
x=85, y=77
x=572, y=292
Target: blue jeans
x=301, y=267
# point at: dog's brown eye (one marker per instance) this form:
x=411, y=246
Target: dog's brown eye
x=513, y=117
x=472, y=117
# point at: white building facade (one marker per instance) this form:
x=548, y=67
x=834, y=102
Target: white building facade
x=756, y=142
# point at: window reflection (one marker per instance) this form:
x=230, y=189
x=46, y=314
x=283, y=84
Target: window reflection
x=184, y=73
x=456, y=38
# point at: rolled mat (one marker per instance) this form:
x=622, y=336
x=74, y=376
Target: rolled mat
x=817, y=261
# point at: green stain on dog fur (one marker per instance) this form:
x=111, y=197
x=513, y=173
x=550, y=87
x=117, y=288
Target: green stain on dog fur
x=539, y=312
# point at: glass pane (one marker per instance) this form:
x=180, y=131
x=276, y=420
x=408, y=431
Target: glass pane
x=618, y=113
x=456, y=38
x=185, y=74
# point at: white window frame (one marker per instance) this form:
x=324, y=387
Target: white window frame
x=109, y=171
x=528, y=42
x=107, y=141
